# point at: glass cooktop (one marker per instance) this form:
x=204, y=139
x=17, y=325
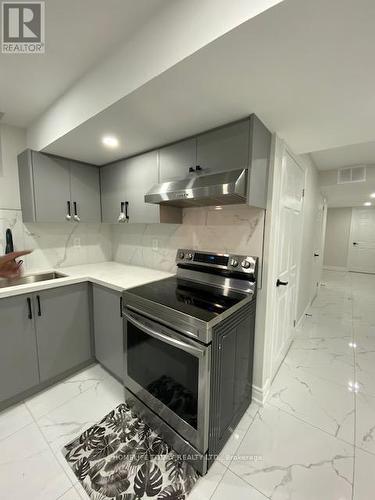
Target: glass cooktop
x=195, y=299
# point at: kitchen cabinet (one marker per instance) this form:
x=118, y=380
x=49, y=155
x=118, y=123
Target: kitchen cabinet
x=224, y=148
x=176, y=159
x=43, y=335
x=18, y=348
x=56, y=189
x=124, y=185
x=62, y=319
x=108, y=330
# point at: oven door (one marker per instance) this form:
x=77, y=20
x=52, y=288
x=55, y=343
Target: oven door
x=170, y=374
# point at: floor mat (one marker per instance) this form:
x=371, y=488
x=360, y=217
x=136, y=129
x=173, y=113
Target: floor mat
x=122, y=458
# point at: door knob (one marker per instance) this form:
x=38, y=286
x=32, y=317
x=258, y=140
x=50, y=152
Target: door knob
x=316, y=255
x=281, y=283
x=355, y=243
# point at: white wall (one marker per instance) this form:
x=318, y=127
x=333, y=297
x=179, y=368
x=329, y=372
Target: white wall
x=12, y=142
x=337, y=237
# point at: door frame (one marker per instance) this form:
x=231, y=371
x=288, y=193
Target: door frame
x=275, y=363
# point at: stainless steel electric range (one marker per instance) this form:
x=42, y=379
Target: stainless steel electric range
x=188, y=348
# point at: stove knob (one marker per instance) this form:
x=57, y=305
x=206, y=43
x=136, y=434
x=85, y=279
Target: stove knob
x=245, y=264
x=181, y=255
x=189, y=256
x=234, y=262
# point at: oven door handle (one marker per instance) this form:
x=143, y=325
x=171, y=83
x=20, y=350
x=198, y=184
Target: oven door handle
x=191, y=349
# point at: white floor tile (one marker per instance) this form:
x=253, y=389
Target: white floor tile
x=28, y=468
x=52, y=398
x=365, y=422
x=285, y=458
x=69, y=420
x=234, y=488
x=364, y=477
x=14, y=419
x=71, y=494
x=321, y=403
x=207, y=484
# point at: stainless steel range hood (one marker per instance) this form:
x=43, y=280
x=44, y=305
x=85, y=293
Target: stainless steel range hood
x=222, y=188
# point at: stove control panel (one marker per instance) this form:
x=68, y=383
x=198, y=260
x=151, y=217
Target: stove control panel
x=226, y=262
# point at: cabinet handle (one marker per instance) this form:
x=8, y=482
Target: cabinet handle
x=281, y=283
x=198, y=168
x=316, y=255
x=68, y=213
x=126, y=210
x=123, y=217
x=76, y=216
x=30, y=315
x=39, y=308
x=121, y=304
x=191, y=169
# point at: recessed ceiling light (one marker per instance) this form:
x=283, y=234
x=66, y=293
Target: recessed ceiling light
x=110, y=141
x=372, y=195
x=218, y=208
x=367, y=204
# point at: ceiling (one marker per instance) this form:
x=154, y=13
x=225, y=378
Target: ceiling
x=79, y=34
x=302, y=67
x=345, y=156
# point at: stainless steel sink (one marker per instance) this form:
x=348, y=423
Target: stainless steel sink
x=30, y=278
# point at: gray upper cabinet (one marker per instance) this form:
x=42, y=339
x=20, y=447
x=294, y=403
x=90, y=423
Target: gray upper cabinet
x=85, y=192
x=63, y=329
x=124, y=185
x=18, y=351
x=51, y=188
x=176, y=159
x=225, y=148
x=108, y=330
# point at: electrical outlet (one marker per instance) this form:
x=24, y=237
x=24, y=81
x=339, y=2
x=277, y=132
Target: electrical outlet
x=77, y=242
x=155, y=245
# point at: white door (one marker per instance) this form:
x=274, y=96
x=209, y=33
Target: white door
x=289, y=251
x=362, y=241
x=317, y=256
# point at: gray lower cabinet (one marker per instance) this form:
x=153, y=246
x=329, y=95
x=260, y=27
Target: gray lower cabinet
x=18, y=351
x=108, y=329
x=62, y=329
x=127, y=182
x=42, y=335
x=56, y=189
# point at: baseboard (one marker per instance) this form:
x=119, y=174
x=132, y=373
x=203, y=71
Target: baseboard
x=260, y=394
x=335, y=268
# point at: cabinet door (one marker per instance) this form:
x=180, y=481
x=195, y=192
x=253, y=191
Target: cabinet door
x=139, y=175
x=62, y=328
x=175, y=160
x=112, y=190
x=108, y=330
x=51, y=187
x=226, y=148
x=85, y=191
x=18, y=355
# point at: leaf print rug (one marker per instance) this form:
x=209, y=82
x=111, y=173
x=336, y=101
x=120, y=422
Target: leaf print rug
x=122, y=458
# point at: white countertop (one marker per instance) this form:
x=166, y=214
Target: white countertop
x=113, y=275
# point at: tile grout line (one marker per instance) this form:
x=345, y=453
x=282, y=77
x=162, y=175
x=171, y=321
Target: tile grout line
x=354, y=394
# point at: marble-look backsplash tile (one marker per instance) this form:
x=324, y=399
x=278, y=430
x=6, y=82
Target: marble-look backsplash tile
x=236, y=229
x=56, y=245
